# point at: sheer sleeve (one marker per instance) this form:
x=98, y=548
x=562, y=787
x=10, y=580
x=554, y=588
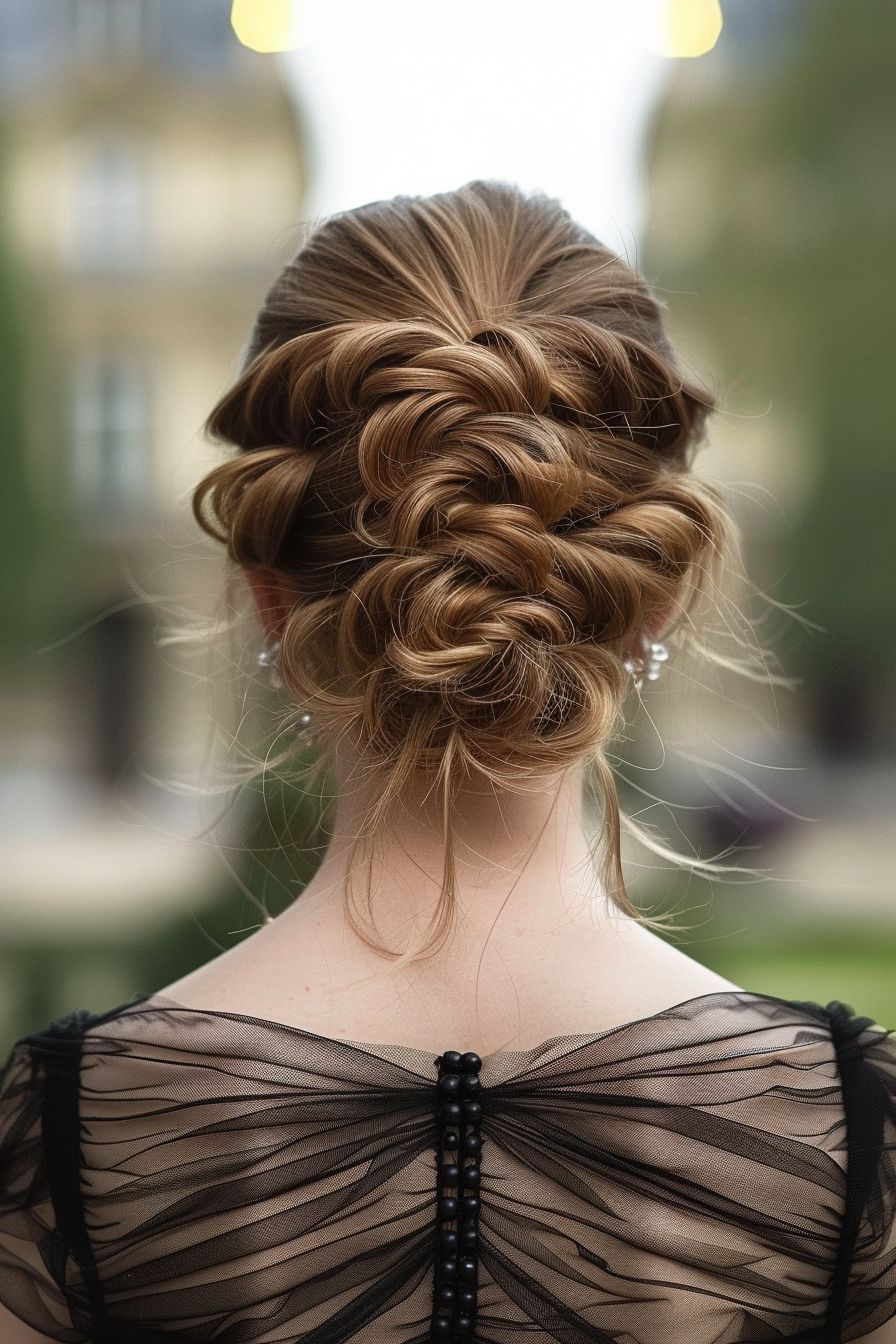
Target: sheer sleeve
x=30, y=1251
x=867, y=1288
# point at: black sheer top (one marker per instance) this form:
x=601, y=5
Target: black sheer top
x=720, y=1172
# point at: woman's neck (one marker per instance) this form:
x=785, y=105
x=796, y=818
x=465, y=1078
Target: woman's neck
x=523, y=866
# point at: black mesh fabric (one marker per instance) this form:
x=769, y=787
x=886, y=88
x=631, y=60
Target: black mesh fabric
x=722, y=1171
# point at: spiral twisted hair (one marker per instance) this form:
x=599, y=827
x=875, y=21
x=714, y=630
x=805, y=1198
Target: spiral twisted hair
x=465, y=442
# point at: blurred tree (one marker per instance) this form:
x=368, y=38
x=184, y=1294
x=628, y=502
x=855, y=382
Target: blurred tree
x=18, y=508
x=835, y=118
x=36, y=544
x=789, y=186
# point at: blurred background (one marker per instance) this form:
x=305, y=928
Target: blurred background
x=158, y=160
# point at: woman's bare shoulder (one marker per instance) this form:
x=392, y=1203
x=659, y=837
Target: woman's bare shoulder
x=582, y=980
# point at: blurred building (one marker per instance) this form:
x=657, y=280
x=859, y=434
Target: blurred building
x=153, y=173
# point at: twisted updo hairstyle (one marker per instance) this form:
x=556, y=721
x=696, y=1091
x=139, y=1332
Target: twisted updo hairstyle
x=464, y=441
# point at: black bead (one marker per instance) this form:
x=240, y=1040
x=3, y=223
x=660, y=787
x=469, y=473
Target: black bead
x=457, y=1103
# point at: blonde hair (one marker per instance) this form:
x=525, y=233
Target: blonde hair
x=464, y=441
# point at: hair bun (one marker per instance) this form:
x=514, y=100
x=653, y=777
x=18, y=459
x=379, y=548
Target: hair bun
x=512, y=541
x=466, y=617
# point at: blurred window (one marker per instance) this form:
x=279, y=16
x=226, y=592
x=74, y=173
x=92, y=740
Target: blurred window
x=111, y=212
x=192, y=35
x=197, y=38
x=33, y=43
x=110, y=439
x=106, y=29
x=40, y=38
x=117, y=695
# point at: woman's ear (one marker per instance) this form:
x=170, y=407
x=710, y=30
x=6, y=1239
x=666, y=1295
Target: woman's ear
x=274, y=599
x=655, y=630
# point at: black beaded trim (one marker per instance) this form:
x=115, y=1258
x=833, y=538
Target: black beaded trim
x=457, y=1211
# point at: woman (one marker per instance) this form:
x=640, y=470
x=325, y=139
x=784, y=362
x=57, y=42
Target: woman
x=471, y=1096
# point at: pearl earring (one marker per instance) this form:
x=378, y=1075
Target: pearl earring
x=649, y=663
x=269, y=658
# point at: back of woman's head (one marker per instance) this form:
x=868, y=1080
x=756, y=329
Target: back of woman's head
x=465, y=445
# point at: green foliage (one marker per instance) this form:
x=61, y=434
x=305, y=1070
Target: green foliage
x=837, y=962
x=795, y=289
x=37, y=573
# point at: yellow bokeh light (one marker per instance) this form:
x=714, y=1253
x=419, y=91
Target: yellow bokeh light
x=266, y=25
x=685, y=27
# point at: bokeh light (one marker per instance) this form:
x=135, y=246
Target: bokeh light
x=677, y=28
x=266, y=25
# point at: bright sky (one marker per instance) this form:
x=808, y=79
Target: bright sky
x=415, y=96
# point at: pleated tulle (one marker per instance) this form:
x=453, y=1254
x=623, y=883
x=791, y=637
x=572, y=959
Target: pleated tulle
x=175, y=1174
